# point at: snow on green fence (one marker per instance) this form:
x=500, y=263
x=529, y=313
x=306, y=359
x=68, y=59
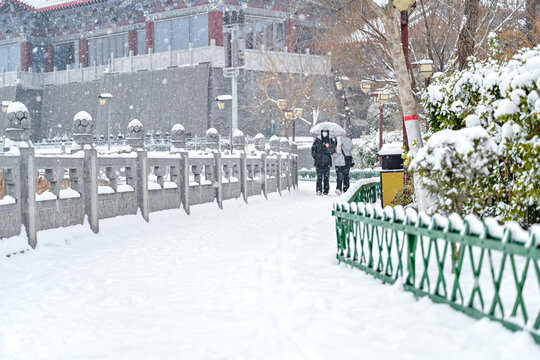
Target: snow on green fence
x=477, y=267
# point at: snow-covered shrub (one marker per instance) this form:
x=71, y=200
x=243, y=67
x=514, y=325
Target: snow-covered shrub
x=503, y=98
x=367, y=147
x=454, y=166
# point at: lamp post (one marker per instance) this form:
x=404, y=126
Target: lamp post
x=341, y=88
x=290, y=114
x=221, y=99
x=105, y=98
x=381, y=99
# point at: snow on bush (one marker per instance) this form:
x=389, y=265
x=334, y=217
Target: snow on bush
x=502, y=98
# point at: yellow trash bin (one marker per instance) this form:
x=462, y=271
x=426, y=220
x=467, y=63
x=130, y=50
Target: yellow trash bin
x=392, y=171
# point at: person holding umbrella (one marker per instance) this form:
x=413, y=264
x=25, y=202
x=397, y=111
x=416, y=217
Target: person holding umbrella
x=322, y=150
x=343, y=162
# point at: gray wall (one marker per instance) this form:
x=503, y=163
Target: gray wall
x=159, y=98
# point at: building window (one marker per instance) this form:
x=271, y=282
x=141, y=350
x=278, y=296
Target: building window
x=10, y=57
x=198, y=30
x=38, y=58
x=101, y=49
x=179, y=32
x=64, y=55
x=141, y=42
x=248, y=31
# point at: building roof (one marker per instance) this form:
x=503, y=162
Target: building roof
x=44, y=5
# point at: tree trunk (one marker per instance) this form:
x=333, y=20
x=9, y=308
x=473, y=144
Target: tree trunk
x=531, y=21
x=467, y=41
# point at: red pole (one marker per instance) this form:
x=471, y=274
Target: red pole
x=405, y=44
x=380, y=125
x=381, y=108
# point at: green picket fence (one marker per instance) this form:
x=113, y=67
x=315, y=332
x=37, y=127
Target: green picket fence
x=476, y=267
x=355, y=175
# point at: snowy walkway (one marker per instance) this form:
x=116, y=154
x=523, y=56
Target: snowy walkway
x=207, y=287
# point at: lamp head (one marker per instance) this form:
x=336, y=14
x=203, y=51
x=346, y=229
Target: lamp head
x=403, y=5
x=365, y=86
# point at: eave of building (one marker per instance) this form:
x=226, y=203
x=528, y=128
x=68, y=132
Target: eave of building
x=59, y=5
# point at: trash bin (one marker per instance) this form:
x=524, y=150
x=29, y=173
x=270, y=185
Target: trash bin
x=392, y=171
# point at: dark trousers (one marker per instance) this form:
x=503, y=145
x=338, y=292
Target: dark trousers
x=342, y=173
x=323, y=175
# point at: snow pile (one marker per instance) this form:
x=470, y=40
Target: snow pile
x=395, y=148
x=177, y=128
x=502, y=98
x=16, y=107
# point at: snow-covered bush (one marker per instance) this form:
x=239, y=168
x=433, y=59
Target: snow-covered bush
x=454, y=166
x=367, y=147
x=503, y=99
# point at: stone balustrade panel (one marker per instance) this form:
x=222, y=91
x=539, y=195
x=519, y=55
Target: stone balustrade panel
x=63, y=203
x=164, y=185
x=117, y=197
x=201, y=178
x=10, y=205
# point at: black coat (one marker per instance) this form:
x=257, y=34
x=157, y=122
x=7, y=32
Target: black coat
x=322, y=154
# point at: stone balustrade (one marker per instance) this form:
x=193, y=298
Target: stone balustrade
x=85, y=184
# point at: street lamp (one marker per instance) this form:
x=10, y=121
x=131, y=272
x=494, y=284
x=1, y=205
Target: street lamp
x=5, y=105
x=282, y=104
x=105, y=98
x=221, y=99
x=426, y=68
x=365, y=86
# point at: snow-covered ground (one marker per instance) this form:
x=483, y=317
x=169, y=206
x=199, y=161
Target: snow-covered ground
x=257, y=281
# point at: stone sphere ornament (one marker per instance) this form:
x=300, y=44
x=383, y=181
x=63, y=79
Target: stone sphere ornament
x=178, y=136
x=212, y=139
x=83, y=128
x=135, y=134
x=18, y=117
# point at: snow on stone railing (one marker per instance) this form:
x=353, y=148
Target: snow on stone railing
x=478, y=267
x=84, y=186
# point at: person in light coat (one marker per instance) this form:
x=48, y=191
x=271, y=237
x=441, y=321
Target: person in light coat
x=343, y=161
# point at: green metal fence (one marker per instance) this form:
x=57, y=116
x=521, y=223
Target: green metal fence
x=478, y=268
x=311, y=175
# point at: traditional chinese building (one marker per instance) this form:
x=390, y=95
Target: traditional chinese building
x=57, y=55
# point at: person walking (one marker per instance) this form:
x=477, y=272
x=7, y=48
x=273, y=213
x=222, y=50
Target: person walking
x=343, y=162
x=322, y=150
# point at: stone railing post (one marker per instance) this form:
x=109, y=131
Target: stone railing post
x=212, y=139
x=260, y=142
x=178, y=146
x=264, y=183
x=184, y=179
x=239, y=145
x=218, y=176
x=294, y=156
x=285, y=151
x=136, y=142
x=18, y=131
x=274, y=144
x=83, y=126
x=178, y=137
